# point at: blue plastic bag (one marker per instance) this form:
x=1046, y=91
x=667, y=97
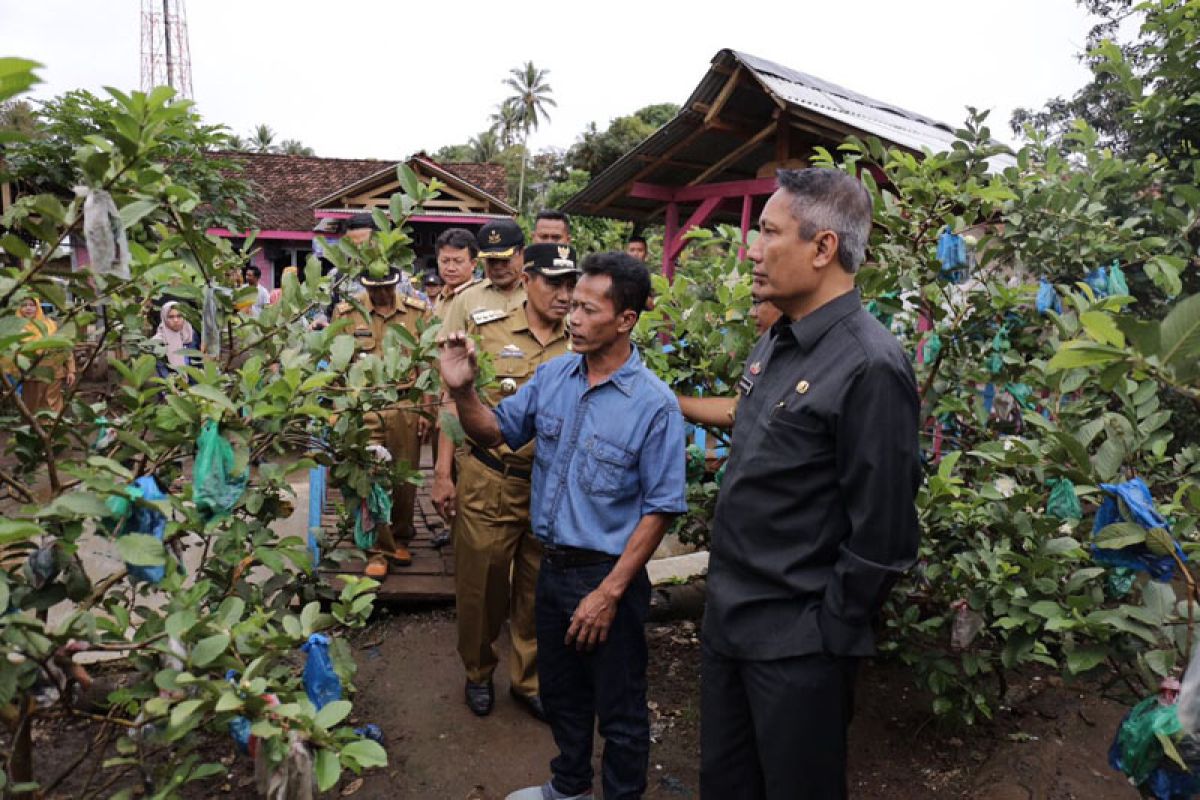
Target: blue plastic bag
x=1097, y=279
x=1047, y=298
x=239, y=731
x=127, y=516
x=320, y=681
x=1134, y=494
x=952, y=252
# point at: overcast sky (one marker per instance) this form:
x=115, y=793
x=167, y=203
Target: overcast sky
x=356, y=78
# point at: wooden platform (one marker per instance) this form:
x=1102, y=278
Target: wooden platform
x=430, y=577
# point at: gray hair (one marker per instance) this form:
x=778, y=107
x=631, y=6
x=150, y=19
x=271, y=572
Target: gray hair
x=830, y=200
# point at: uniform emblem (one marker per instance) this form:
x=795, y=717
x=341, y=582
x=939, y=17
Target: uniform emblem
x=494, y=237
x=802, y=387
x=745, y=385
x=564, y=251
x=484, y=315
x=508, y=386
x=512, y=351
x=755, y=368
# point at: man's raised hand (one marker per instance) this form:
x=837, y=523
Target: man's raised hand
x=456, y=361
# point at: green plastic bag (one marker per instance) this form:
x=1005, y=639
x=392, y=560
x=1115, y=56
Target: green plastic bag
x=1063, y=502
x=368, y=513
x=930, y=348
x=215, y=488
x=1137, y=737
x=1116, y=280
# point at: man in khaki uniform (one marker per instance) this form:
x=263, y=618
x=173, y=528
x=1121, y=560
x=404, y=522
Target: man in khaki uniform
x=496, y=555
x=398, y=429
x=455, y=251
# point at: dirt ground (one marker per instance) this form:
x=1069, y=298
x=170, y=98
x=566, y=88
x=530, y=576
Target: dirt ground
x=410, y=683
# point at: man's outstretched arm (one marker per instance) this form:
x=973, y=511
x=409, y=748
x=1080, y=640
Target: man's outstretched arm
x=458, y=367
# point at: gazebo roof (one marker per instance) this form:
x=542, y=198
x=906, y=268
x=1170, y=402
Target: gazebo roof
x=748, y=116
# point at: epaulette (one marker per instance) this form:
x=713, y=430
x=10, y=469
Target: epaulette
x=416, y=302
x=482, y=316
x=465, y=286
x=343, y=307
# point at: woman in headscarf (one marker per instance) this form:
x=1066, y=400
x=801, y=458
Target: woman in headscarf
x=277, y=292
x=44, y=391
x=177, y=335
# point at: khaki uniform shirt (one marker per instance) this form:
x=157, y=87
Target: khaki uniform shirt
x=516, y=354
x=368, y=332
x=481, y=296
x=441, y=305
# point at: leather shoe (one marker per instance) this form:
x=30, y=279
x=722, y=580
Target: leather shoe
x=440, y=539
x=531, y=703
x=480, y=698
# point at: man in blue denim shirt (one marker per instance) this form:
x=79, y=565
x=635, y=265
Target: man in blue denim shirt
x=608, y=478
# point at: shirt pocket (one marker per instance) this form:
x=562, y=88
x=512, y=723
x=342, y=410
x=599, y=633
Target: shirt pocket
x=608, y=468
x=364, y=340
x=549, y=432
x=800, y=439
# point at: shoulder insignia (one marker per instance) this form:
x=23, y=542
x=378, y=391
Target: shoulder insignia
x=415, y=302
x=465, y=286
x=343, y=308
x=483, y=316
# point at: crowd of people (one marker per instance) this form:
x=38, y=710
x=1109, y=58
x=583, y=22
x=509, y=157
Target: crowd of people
x=573, y=471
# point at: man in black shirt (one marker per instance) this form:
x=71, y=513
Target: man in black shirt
x=815, y=520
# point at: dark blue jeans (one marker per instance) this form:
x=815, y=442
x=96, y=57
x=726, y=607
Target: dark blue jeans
x=608, y=683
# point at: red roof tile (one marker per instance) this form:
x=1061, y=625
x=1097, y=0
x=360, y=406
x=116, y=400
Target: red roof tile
x=288, y=185
x=489, y=177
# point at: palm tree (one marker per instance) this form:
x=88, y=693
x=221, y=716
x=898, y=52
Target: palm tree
x=295, y=147
x=531, y=98
x=263, y=140
x=235, y=142
x=484, y=147
x=505, y=122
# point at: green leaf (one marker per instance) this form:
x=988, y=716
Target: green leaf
x=181, y=712
x=366, y=753
x=228, y=701
x=333, y=712
x=1060, y=545
x=1081, y=659
x=141, y=550
x=1159, y=600
x=453, y=428
x=1161, y=662
x=1120, y=534
x=230, y=611
x=1102, y=327
x=208, y=649
x=1047, y=609
x=212, y=394
x=75, y=504
x=1168, y=748
x=328, y=769
x=18, y=530
x=1077, y=353
x=134, y=212
x=1180, y=333
x=340, y=353
x=308, y=617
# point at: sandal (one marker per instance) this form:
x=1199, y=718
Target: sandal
x=377, y=567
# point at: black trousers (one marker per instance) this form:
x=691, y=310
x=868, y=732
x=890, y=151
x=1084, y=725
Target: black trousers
x=774, y=730
x=606, y=685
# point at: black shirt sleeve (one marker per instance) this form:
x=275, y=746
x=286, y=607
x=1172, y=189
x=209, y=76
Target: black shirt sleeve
x=878, y=472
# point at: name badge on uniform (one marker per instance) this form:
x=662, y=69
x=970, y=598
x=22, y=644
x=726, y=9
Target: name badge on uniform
x=745, y=385
x=512, y=351
x=485, y=315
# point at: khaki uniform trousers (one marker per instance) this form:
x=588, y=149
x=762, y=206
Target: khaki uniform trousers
x=38, y=395
x=496, y=561
x=396, y=430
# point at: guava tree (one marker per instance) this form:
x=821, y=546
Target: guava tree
x=211, y=609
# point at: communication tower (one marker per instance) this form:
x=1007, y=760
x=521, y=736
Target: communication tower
x=166, y=59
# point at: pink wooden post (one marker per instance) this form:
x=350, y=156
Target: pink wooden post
x=747, y=205
x=698, y=218
x=671, y=230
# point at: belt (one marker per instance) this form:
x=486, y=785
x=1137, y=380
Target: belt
x=493, y=463
x=561, y=556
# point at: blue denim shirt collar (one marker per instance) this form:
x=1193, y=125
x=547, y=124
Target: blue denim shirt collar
x=623, y=378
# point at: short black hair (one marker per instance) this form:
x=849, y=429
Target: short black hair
x=553, y=214
x=633, y=239
x=360, y=221
x=630, y=279
x=458, y=238
x=251, y=268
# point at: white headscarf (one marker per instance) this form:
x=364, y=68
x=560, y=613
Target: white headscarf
x=175, y=342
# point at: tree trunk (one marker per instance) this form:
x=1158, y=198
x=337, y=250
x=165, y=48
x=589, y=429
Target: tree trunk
x=521, y=183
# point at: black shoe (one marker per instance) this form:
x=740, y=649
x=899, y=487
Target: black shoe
x=531, y=702
x=480, y=698
x=441, y=539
